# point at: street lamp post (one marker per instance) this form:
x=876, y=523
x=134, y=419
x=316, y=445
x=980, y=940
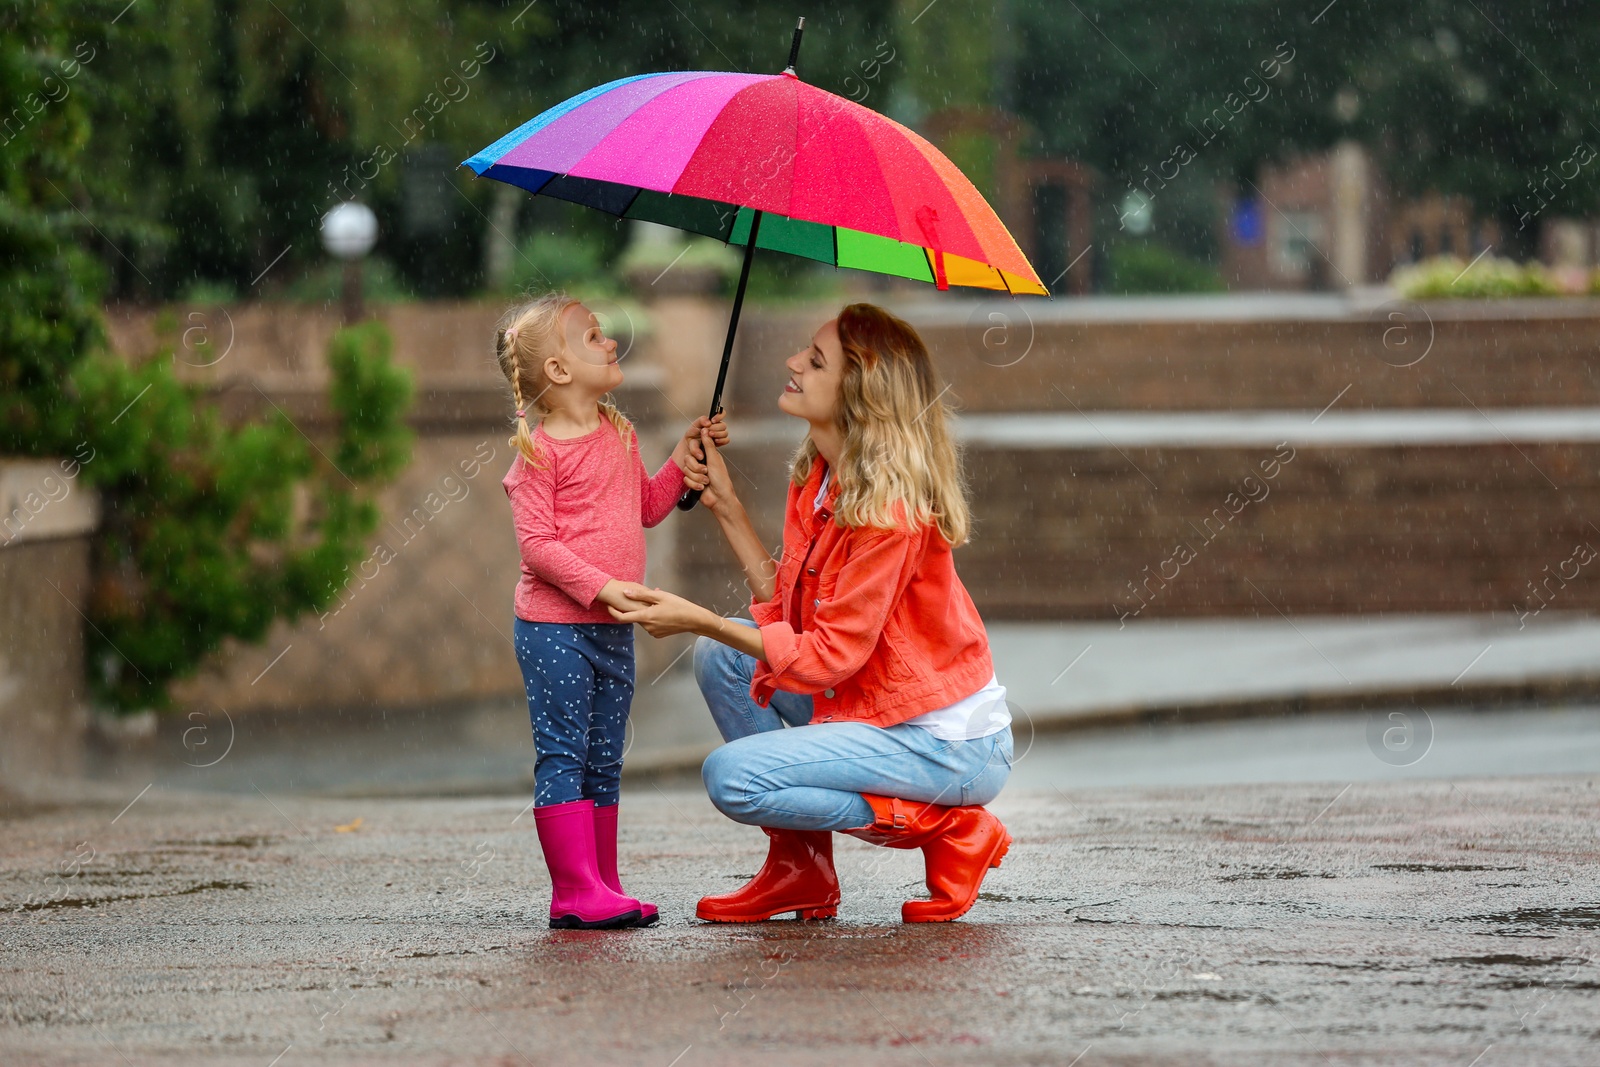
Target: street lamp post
x=349, y=231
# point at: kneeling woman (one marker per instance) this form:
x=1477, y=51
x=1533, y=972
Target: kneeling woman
x=862, y=698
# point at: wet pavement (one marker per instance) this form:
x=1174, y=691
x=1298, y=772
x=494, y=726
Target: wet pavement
x=482, y=750
x=1500, y=695
x=1448, y=922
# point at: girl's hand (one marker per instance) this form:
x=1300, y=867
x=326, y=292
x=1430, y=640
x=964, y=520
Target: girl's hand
x=663, y=614
x=690, y=444
x=694, y=474
x=718, y=427
x=718, y=492
x=615, y=596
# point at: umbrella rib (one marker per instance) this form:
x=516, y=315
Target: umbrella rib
x=629, y=205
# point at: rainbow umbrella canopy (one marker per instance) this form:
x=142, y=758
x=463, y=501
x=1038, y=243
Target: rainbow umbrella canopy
x=704, y=150
x=765, y=161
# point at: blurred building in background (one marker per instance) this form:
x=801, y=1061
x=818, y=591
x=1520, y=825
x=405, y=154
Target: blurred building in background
x=1328, y=220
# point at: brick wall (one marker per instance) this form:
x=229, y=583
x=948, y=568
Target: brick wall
x=46, y=517
x=1081, y=534
x=1068, y=533
x=1060, y=533
x=1489, y=354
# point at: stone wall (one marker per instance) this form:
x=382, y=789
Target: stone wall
x=427, y=616
x=1084, y=530
x=1367, y=524
x=45, y=519
x=1175, y=355
x=1081, y=534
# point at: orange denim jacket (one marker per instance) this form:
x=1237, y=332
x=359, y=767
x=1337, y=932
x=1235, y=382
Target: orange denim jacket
x=873, y=623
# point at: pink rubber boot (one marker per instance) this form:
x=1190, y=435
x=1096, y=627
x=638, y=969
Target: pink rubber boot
x=605, y=853
x=579, y=900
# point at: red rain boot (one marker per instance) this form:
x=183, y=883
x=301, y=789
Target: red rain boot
x=605, y=854
x=798, y=876
x=579, y=900
x=959, y=846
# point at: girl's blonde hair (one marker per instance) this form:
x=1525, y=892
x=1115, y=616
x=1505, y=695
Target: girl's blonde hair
x=897, y=445
x=526, y=336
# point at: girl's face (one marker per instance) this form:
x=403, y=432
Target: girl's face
x=812, y=392
x=591, y=355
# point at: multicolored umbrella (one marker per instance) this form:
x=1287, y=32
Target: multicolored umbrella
x=765, y=161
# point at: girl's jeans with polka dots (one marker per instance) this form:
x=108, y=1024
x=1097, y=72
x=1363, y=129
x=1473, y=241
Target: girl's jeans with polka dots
x=579, y=681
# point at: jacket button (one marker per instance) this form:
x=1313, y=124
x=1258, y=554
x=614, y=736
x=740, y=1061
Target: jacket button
x=811, y=571
x=828, y=693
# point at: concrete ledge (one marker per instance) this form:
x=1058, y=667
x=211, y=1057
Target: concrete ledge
x=1092, y=672
x=1235, y=429
x=1357, y=305
x=41, y=500
x=1082, y=676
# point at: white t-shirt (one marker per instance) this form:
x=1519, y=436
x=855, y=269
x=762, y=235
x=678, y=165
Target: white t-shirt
x=979, y=715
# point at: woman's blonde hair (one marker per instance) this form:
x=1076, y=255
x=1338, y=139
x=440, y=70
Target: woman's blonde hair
x=528, y=334
x=897, y=445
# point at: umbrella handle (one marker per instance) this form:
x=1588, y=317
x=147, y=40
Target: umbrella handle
x=691, y=497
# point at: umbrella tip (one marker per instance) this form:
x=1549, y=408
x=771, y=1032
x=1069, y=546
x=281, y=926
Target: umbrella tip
x=794, y=46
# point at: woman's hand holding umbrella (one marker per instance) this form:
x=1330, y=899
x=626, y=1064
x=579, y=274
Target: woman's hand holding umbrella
x=760, y=569
x=716, y=492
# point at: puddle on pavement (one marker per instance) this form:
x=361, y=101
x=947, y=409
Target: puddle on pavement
x=1211, y=994
x=1583, y=916
x=1264, y=873
x=1364, y=965
x=95, y=902
x=1506, y=959
x=1435, y=868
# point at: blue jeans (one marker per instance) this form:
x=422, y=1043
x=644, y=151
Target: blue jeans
x=579, y=681
x=780, y=770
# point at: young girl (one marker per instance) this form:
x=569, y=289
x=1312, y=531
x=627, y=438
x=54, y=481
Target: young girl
x=580, y=498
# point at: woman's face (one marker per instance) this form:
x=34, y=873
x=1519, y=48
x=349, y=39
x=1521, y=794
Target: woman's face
x=812, y=392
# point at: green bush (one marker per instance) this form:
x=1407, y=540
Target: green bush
x=704, y=255
x=208, y=530
x=212, y=531
x=561, y=261
x=1449, y=277
x=1149, y=267
x=380, y=284
x=776, y=278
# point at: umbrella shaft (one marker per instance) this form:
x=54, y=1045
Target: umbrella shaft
x=733, y=319
x=692, y=496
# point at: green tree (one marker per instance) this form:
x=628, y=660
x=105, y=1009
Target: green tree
x=213, y=531
x=1488, y=100
x=226, y=128
x=209, y=530
x=49, y=287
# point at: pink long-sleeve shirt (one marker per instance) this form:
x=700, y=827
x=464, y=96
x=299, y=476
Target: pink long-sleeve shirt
x=580, y=521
